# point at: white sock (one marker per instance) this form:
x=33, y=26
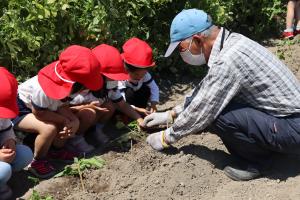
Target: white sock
x=298, y=28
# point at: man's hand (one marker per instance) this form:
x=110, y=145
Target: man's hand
x=158, y=118
x=142, y=111
x=158, y=141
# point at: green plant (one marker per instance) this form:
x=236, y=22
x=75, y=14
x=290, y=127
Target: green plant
x=36, y=196
x=34, y=180
x=133, y=133
x=80, y=165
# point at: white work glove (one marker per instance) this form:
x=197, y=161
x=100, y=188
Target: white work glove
x=158, y=118
x=160, y=140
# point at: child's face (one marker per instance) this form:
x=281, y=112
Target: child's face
x=137, y=75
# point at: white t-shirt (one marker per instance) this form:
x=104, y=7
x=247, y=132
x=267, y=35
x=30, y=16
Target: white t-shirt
x=115, y=88
x=31, y=93
x=6, y=131
x=84, y=97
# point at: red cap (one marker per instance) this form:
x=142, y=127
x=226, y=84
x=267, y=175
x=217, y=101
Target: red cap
x=75, y=64
x=8, y=94
x=138, y=53
x=111, y=63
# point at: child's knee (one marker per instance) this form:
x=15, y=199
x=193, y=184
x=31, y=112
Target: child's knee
x=50, y=130
x=87, y=115
x=23, y=158
x=5, y=172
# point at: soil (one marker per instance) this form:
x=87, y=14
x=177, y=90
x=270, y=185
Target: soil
x=192, y=169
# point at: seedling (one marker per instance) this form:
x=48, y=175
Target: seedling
x=80, y=165
x=125, y=140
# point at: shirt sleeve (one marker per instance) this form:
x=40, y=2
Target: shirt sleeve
x=41, y=102
x=114, y=93
x=217, y=89
x=154, y=90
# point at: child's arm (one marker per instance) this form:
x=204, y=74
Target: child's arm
x=73, y=121
x=154, y=91
x=129, y=111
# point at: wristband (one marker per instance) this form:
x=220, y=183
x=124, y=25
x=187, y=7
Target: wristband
x=163, y=140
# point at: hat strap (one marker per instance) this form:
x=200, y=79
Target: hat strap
x=59, y=76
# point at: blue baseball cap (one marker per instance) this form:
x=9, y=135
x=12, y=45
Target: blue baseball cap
x=185, y=24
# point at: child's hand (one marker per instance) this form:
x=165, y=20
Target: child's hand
x=73, y=126
x=153, y=107
x=9, y=144
x=142, y=111
x=140, y=122
x=7, y=155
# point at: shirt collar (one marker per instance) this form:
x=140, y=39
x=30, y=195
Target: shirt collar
x=215, y=51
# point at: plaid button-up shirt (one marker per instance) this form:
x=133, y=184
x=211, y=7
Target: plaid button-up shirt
x=243, y=71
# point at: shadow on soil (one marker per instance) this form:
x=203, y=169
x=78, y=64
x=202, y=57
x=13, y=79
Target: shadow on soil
x=283, y=167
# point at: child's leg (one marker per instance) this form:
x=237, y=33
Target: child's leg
x=46, y=134
x=290, y=15
x=138, y=98
x=5, y=173
x=23, y=157
x=87, y=118
x=104, y=116
x=297, y=12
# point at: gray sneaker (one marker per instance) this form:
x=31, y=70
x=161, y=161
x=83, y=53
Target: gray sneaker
x=79, y=144
x=238, y=174
x=98, y=135
x=5, y=192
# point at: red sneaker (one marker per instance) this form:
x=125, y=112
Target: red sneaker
x=41, y=169
x=287, y=35
x=62, y=155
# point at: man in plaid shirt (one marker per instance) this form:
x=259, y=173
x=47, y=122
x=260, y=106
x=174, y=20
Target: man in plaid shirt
x=249, y=98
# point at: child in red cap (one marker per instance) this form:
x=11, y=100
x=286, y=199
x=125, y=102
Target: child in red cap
x=44, y=110
x=141, y=88
x=112, y=68
x=13, y=157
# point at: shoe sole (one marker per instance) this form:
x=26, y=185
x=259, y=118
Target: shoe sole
x=33, y=171
x=231, y=174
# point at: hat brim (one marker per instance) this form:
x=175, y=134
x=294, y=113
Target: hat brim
x=96, y=83
x=171, y=48
x=9, y=113
x=117, y=77
x=53, y=87
x=135, y=65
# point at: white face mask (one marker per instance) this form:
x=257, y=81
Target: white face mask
x=192, y=59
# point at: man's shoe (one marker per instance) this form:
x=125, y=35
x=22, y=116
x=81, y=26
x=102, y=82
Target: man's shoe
x=238, y=174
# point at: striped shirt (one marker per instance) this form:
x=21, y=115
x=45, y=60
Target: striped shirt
x=242, y=71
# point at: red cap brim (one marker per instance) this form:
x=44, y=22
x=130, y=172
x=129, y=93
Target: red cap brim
x=53, y=87
x=96, y=83
x=9, y=113
x=117, y=77
x=135, y=65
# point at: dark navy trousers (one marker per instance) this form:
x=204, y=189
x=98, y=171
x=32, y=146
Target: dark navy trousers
x=254, y=135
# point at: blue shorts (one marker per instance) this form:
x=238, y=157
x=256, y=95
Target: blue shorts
x=23, y=111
